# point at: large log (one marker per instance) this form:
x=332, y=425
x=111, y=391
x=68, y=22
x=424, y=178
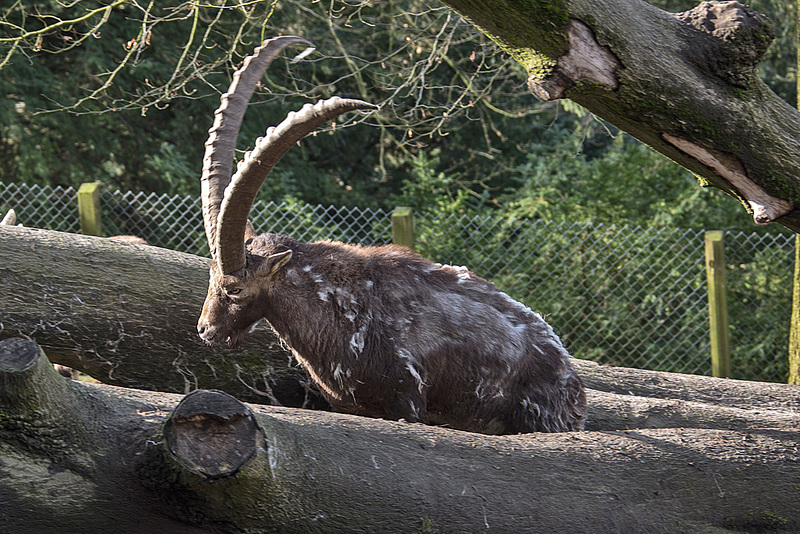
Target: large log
x=78, y=457
x=126, y=314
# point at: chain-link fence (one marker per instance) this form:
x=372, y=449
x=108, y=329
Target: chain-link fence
x=176, y=222
x=632, y=296
x=624, y=295
x=55, y=208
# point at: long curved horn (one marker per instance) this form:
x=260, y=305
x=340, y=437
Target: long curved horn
x=256, y=166
x=221, y=143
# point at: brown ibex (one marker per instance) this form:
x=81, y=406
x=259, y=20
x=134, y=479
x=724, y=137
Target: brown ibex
x=382, y=331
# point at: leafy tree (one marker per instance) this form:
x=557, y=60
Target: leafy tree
x=124, y=92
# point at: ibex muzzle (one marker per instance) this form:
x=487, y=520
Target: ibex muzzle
x=382, y=331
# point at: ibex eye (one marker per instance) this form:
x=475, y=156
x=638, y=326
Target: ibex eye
x=233, y=291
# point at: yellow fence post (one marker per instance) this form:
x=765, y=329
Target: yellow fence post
x=403, y=227
x=717, y=304
x=89, y=208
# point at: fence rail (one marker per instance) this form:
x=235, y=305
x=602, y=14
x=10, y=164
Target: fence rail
x=623, y=295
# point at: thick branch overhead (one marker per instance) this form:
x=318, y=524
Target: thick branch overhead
x=664, y=77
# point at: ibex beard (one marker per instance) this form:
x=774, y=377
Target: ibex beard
x=384, y=332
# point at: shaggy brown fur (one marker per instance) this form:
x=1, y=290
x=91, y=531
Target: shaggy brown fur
x=384, y=332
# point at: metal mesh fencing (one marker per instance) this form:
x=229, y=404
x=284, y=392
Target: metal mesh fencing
x=631, y=296
x=759, y=271
x=622, y=295
x=627, y=296
x=53, y=208
x=176, y=222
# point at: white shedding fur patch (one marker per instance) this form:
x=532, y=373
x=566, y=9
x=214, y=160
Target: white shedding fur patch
x=413, y=408
x=410, y=362
x=520, y=307
x=489, y=389
x=324, y=291
x=338, y=373
x=357, y=341
x=459, y=270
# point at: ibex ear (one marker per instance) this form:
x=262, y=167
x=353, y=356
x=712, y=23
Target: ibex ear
x=249, y=231
x=272, y=264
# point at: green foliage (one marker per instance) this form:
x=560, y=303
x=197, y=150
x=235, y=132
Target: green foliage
x=429, y=189
x=762, y=521
x=759, y=276
x=624, y=183
x=173, y=168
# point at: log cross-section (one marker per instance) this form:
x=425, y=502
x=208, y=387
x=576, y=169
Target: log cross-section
x=213, y=434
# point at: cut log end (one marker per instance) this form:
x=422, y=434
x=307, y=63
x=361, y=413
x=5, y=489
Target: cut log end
x=213, y=434
x=18, y=355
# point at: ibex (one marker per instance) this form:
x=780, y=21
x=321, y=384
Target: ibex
x=382, y=331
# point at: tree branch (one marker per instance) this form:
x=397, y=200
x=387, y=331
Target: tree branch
x=684, y=84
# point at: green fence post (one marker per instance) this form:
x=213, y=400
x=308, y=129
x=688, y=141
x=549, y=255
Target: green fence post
x=403, y=227
x=89, y=208
x=717, y=304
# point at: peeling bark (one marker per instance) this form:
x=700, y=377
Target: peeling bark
x=659, y=76
x=765, y=208
x=586, y=61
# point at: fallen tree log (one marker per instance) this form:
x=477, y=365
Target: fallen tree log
x=77, y=457
x=126, y=315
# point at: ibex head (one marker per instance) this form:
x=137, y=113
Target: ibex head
x=238, y=277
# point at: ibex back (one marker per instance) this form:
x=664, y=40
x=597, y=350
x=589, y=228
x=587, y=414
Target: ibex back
x=382, y=331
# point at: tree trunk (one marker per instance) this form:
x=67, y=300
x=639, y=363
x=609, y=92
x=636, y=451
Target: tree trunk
x=78, y=457
x=794, y=331
x=684, y=84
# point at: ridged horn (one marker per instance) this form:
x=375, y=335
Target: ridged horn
x=221, y=143
x=256, y=166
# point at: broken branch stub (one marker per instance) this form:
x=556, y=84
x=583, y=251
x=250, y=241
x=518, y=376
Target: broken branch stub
x=10, y=218
x=22, y=365
x=738, y=38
